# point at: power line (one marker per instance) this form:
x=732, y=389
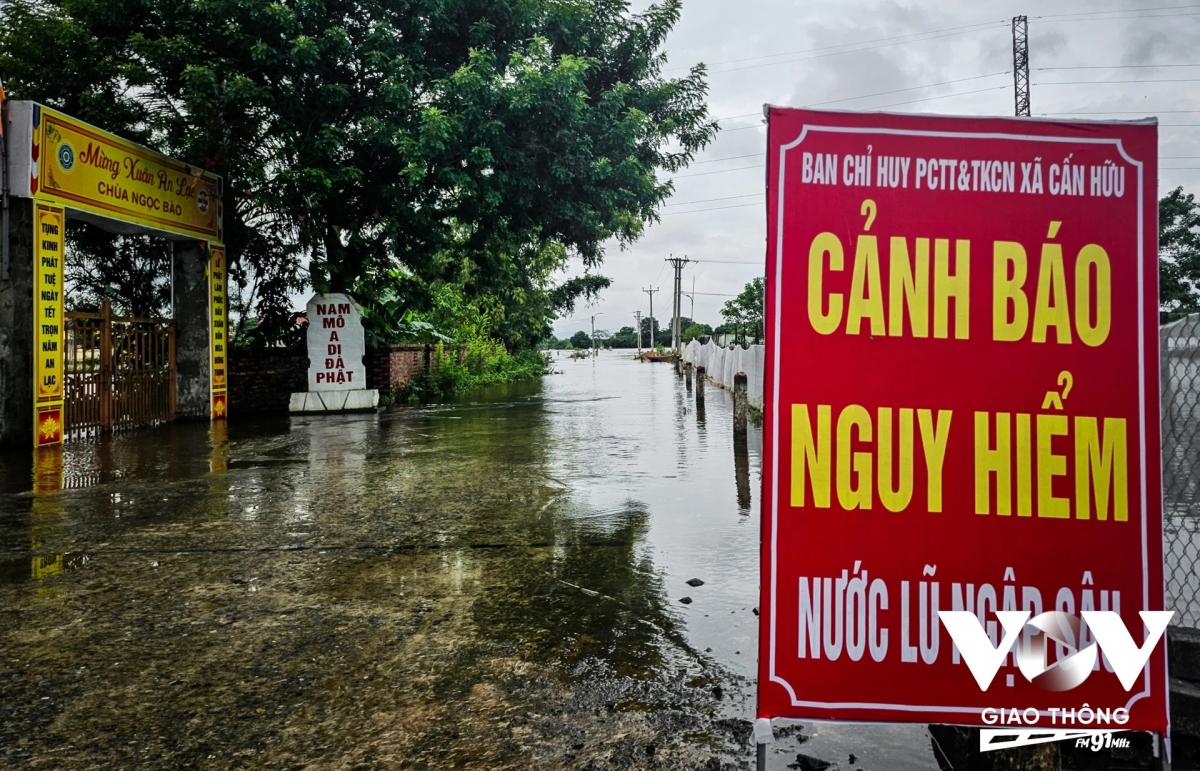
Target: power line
x=737, y=157
x=1113, y=82
x=1114, y=67
x=853, y=50
x=715, y=208
x=846, y=45
x=932, y=98
x=718, y=171
x=914, y=88
x=1138, y=16
x=1121, y=112
x=1118, y=10
x=732, y=262
x=710, y=200
x=880, y=93
x=895, y=104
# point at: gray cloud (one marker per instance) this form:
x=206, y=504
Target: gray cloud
x=717, y=31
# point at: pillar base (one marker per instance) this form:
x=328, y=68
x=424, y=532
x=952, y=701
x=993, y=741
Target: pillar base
x=364, y=400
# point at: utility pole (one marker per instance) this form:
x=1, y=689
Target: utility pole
x=593, y=335
x=1020, y=27
x=638, y=316
x=651, y=292
x=676, y=332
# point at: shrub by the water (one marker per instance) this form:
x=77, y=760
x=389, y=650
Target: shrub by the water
x=484, y=362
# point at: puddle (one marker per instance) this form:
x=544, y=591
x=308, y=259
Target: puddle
x=493, y=582
x=39, y=567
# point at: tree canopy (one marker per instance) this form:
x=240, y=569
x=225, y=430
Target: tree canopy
x=1179, y=252
x=744, y=313
x=389, y=147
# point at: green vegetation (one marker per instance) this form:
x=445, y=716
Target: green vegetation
x=625, y=337
x=389, y=148
x=1179, y=253
x=744, y=314
x=467, y=353
x=581, y=339
x=482, y=364
x=696, y=331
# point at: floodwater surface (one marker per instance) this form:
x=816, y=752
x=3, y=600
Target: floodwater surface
x=496, y=582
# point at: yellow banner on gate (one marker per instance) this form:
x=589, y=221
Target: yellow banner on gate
x=218, y=282
x=91, y=170
x=48, y=231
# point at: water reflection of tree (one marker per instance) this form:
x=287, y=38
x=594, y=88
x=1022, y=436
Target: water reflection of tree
x=593, y=601
x=558, y=583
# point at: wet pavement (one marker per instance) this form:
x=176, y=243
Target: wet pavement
x=495, y=582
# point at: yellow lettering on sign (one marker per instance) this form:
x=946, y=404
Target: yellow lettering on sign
x=48, y=303
x=89, y=169
x=857, y=454
x=912, y=285
x=1099, y=467
x=48, y=226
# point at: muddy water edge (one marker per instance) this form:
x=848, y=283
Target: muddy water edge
x=495, y=582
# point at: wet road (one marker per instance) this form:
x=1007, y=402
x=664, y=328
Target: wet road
x=491, y=583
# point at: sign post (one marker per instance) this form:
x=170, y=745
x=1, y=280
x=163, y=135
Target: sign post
x=218, y=314
x=961, y=415
x=49, y=226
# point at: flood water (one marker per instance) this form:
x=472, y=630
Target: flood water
x=490, y=583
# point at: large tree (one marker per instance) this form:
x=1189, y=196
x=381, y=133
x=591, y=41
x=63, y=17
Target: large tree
x=1179, y=252
x=394, y=145
x=744, y=313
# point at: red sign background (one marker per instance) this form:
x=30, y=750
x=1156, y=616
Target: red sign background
x=824, y=355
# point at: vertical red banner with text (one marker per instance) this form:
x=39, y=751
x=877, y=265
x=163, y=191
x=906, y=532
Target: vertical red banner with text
x=961, y=409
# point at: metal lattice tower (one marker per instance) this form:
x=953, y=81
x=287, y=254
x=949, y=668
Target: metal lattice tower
x=1020, y=26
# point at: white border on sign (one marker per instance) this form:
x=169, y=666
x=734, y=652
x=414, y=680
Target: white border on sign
x=775, y=396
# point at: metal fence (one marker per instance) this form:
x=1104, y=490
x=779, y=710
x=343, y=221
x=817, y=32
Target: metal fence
x=120, y=372
x=1180, y=346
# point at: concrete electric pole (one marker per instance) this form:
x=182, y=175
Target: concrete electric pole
x=638, y=316
x=593, y=335
x=651, y=292
x=676, y=332
x=1020, y=26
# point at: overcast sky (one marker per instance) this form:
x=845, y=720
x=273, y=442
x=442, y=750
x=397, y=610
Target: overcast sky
x=1138, y=59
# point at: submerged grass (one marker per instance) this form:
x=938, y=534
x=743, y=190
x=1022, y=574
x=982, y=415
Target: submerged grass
x=481, y=363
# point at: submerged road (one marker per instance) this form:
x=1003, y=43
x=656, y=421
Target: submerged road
x=496, y=582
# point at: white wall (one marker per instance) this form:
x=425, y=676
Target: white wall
x=721, y=364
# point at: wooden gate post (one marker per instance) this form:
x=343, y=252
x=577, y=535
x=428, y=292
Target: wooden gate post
x=171, y=363
x=106, y=367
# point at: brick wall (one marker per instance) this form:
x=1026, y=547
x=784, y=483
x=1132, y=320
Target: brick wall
x=391, y=366
x=262, y=380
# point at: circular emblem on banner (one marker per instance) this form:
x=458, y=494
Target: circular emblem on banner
x=1075, y=664
x=202, y=200
x=66, y=157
